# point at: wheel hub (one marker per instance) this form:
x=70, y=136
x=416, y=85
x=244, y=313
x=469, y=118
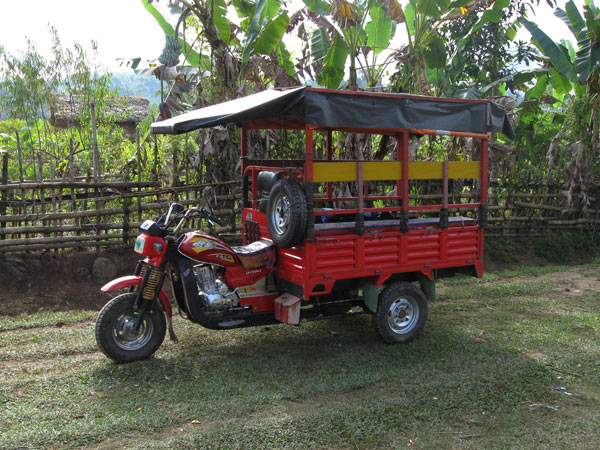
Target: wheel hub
x=126, y=337
x=281, y=214
x=403, y=315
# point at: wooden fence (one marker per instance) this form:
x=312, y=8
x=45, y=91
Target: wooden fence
x=58, y=215
x=85, y=214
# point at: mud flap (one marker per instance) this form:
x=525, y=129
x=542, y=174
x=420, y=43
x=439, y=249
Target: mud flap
x=370, y=296
x=287, y=309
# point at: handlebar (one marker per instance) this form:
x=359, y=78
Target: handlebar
x=177, y=212
x=206, y=214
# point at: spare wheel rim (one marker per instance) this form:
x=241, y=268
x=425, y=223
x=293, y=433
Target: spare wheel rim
x=281, y=214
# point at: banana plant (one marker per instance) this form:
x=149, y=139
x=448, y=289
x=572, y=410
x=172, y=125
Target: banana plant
x=265, y=23
x=569, y=71
x=425, y=59
x=571, y=75
x=357, y=32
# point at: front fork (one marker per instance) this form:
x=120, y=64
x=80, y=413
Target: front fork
x=148, y=293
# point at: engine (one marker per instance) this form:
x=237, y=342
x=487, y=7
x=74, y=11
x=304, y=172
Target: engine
x=215, y=294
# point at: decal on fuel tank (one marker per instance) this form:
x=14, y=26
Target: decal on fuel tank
x=224, y=257
x=201, y=245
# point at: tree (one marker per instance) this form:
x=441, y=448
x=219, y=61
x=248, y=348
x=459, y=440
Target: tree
x=358, y=32
x=29, y=83
x=570, y=78
x=485, y=51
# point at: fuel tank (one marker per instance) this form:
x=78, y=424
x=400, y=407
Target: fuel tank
x=205, y=248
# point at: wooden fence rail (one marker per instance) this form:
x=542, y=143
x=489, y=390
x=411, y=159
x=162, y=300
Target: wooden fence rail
x=61, y=215
x=57, y=215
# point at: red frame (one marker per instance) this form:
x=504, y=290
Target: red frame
x=317, y=263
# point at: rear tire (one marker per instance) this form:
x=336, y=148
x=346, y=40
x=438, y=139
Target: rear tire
x=401, y=313
x=287, y=213
x=115, y=336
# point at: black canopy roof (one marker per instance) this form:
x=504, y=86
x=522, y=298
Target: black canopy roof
x=346, y=109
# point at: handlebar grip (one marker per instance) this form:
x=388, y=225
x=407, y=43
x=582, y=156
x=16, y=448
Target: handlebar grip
x=210, y=216
x=216, y=219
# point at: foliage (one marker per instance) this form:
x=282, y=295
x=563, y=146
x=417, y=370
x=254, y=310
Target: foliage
x=485, y=51
x=569, y=78
x=29, y=83
x=359, y=31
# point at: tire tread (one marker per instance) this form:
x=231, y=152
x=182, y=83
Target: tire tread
x=103, y=330
x=390, y=293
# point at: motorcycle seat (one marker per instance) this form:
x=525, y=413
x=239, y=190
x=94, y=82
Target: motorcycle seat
x=256, y=254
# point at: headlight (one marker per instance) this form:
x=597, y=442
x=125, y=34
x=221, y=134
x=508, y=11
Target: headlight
x=140, y=242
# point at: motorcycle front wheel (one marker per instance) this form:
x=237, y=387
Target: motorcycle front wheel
x=115, y=334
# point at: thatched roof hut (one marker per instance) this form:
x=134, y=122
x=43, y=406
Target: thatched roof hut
x=125, y=111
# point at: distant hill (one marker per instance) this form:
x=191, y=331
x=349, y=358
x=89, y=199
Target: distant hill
x=131, y=84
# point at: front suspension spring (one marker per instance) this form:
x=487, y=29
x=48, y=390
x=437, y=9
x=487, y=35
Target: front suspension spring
x=152, y=283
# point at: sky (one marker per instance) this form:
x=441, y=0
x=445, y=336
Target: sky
x=123, y=28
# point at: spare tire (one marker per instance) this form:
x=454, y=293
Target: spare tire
x=287, y=213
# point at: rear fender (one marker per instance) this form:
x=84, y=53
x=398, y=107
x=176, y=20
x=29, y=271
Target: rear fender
x=135, y=280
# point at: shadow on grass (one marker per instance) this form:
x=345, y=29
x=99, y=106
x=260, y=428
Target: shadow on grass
x=321, y=384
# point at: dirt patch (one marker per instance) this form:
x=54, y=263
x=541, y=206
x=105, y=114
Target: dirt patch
x=573, y=282
x=47, y=282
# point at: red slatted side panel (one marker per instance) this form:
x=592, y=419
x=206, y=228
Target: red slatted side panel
x=423, y=246
x=463, y=243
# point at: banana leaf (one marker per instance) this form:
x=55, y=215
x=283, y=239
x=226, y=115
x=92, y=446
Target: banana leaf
x=319, y=44
x=334, y=64
x=379, y=29
x=272, y=34
x=551, y=50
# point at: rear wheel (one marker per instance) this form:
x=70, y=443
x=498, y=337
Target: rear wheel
x=286, y=213
x=401, y=313
x=115, y=334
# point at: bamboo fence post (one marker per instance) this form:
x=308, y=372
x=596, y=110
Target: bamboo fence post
x=97, y=205
x=187, y=165
x=84, y=205
x=53, y=199
x=41, y=189
x=20, y=156
x=3, y=203
x=21, y=177
x=155, y=164
x=95, y=155
x=71, y=160
x=125, y=221
x=139, y=171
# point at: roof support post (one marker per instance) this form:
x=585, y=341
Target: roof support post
x=360, y=215
x=243, y=164
x=329, y=156
x=308, y=183
x=483, y=183
x=444, y=210
x=402, y=155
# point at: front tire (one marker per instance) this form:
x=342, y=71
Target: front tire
x=401, y=313
x=116, y=337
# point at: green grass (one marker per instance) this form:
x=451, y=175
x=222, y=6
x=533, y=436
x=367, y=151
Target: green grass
x=484, y=373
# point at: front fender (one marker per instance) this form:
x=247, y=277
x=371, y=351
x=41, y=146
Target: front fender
x=135, y=280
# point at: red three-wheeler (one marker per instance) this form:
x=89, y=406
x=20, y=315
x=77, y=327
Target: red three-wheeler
x=326, y=235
